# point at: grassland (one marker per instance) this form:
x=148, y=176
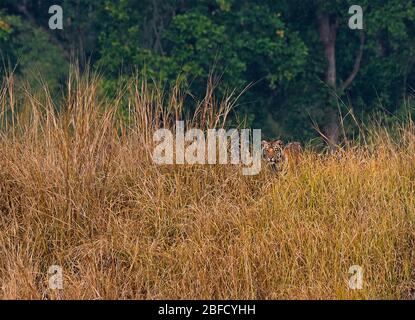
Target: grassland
x=78, y=189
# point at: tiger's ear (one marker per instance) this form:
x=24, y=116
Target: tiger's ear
x=278, y=144
x=264, y=144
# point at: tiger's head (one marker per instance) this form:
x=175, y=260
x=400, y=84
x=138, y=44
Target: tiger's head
x=272, y=151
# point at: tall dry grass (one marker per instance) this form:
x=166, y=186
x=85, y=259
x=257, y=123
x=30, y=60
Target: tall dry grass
x=78, y=189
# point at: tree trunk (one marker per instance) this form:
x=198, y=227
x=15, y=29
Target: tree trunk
x=328, y=31
x=328, y=27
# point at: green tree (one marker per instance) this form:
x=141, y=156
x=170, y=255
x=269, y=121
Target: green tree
x=300, y=56
x=361, y=67
x=245, y=41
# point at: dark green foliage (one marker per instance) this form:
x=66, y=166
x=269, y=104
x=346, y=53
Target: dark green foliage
x=274, y=46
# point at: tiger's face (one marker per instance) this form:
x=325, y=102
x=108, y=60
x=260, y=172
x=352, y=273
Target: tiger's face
x=273, y=151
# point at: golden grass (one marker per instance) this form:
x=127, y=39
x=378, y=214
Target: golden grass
x=78, y=189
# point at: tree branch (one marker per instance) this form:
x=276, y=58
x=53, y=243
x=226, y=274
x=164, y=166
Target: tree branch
x=356, y=66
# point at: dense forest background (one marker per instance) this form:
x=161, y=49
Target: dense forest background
x=304, y=66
